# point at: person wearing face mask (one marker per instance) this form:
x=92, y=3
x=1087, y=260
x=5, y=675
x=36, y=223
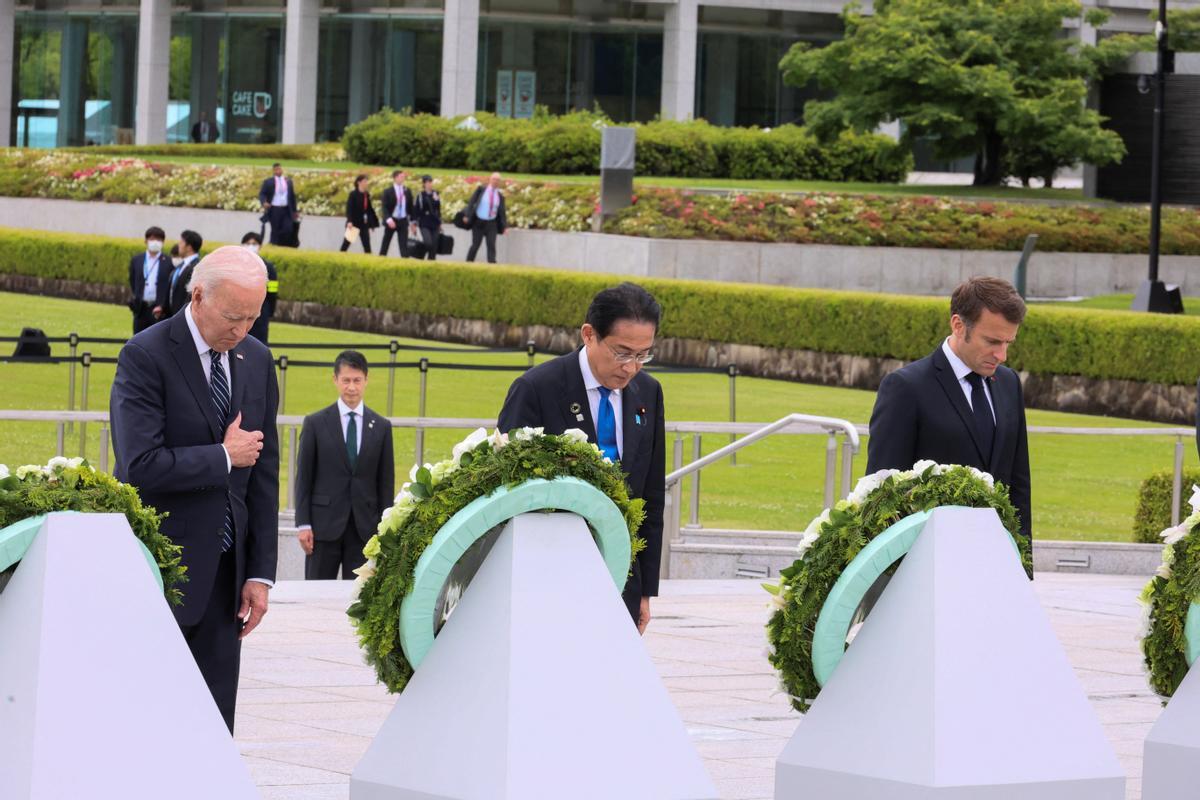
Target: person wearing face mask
x=260, y=330
x=149, y=282
x=179, y=294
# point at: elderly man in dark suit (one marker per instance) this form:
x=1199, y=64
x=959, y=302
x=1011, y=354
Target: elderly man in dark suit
x=601, y=390
x=488, y=215
x=277, y=195
x=961, y=405
x=149, y=281
x=345, y=476
x=193, y=426
x=399, y=215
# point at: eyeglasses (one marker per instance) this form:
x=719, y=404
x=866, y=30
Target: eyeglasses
x=622, y=357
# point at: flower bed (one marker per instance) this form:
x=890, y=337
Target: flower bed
x=858, y=220
x=835, y=537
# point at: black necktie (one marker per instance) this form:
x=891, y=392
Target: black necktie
x=985, y=425
x=219, y=386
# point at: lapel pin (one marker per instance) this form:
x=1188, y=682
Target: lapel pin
x=239, y=355
x=575, y=409
x=579, y=417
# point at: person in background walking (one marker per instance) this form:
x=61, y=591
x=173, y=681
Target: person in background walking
x=399, y=214
x=260, y=330
x=204, y=131
x=488, y=217
x=360, y=214
x=179, y=293
x=149, y=282
x=278, y=198
x=429, y=216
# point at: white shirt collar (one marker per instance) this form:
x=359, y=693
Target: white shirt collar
x=961, y=370
x=344, y=409
x=589, y=380
x=202, y=347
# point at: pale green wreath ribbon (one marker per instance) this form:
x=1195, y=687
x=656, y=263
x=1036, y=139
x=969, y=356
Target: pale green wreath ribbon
x=482, y=514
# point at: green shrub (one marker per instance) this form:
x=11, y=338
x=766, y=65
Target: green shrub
x=1064, y=341
x=1153, y=514
x=326, y=151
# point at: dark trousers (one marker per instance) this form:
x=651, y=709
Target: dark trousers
x=429, y=237
x=283, y=227
x=364, y=236
x=401, y=234
x=480, y=229
x=214, y=640
x=143, y=318
x=344, y=552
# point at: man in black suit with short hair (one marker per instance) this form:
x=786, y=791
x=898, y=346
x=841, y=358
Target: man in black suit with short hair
x=179, y=294
x=398, y=214
x=601, y=390
x=149, y=281
x=345, y=475
x=277, y=195
x=193, y=427
x=961, y=405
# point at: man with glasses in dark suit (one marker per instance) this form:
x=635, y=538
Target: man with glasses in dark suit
x=601, y=389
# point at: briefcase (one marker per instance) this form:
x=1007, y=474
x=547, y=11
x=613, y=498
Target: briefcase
x=462, y=220
x=416, y=248
x=445, y=244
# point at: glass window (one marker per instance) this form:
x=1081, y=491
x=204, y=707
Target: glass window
x=230, y=68
x=74, y=79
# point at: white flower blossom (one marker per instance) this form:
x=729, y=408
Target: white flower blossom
x=1163, y=571
x=983, y=476
x=477, y=437
x=4, y=473
x=440, y=470
x=1172, y=535
x=1194, y=501
x=75, y=463
x=527, y=433
x=867, y=484
x=56, y=462
x=575, y=435
x=498, y=439
x=25, y=470
x=925, y=464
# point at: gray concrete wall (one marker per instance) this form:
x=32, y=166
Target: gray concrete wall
x=870, y=269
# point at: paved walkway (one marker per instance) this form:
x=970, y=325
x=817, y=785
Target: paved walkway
x=308, y=707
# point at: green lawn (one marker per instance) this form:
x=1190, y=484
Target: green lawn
x=1122, y=302
x=1085, y=486
x=946, y=190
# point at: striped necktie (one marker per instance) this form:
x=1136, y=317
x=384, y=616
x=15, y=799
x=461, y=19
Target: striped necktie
x=219, y=385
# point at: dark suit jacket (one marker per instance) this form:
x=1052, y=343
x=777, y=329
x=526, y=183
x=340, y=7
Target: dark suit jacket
x=389, y=203
x=543, y=396
x=360, y=214
x=501, y=213
x=266, y=193
x=212, y=132
x=178, y=295
x=429, y=210
x=137, y=280
x=921, y=412
x=167, y=443
x=327, y=490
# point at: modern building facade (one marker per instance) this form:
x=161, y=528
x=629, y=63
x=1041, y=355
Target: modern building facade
x=74, y=72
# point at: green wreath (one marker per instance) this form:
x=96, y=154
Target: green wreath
x=1171, y=642
x=73, y=485
x=838, y=535
x=436, y=498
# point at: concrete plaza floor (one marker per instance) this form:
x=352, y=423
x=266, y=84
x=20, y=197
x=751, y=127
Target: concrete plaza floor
x=308, y=706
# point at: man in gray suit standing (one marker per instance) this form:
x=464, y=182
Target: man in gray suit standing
x=345, y=476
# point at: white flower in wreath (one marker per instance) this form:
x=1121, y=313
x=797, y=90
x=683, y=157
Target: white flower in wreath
x=983, y=476
x=1172, y=535
x=75, y=463
x=925, y=464
x=477, y=437
x=26, y=470
x=57, y=462
x=498, y=439
x=363, y=574
x=575, y=435
x=1163, y=571
x=1194, y=500
x=528, y=434
x=867, y=484
x=4, y=473
x=440, y=470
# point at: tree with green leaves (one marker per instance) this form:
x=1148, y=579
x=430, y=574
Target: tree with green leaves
x=993, y=79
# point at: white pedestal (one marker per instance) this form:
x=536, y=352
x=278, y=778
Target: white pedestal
x=537, y=688
x=955, y=687
x=1172, y=751
x=99, y=695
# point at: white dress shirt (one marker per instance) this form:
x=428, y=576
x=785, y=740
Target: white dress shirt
x=150, y=273
x=344, y=412
x=401, y=202
x=202, y=349
x=961, y=371
x=281, y=192
x=593, y=391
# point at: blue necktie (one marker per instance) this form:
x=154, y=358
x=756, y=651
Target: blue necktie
x=219, y=386
x=606, y=426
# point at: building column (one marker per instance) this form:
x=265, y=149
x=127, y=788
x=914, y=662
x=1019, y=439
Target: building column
x=204, y=86
x=301, y=41
x=1088, y=35
x=153, y=72
x=720, y=79
x=8, y=33
x=680, y=31
x=460, y=57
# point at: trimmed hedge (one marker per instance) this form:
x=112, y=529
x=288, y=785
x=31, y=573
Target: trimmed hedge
x=1153, y=514
x=570, y=145
x=1155, y=348
x=281, y=152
